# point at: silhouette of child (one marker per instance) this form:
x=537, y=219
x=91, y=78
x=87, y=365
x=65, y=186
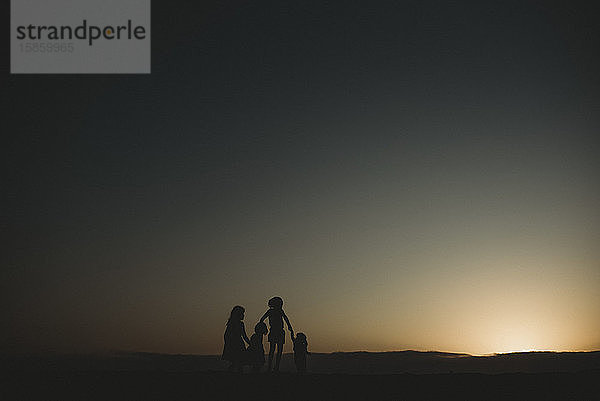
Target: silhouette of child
x=235, y=334
x=256, y=351
x=300, y=351
x=276, y=337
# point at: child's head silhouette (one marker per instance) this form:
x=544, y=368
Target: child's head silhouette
x=276, y=302
x=260, y=328
x=237, y=313
x=301, y=337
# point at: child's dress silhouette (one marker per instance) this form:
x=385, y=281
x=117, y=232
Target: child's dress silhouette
x=234, y=347
x=276, y=333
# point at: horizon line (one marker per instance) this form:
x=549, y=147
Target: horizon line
x=131, y=352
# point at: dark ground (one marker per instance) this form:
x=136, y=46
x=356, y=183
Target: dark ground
x=152, y=385
x=337, y=376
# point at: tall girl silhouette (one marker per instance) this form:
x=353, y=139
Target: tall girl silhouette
x=276, y=337
x=235, y=334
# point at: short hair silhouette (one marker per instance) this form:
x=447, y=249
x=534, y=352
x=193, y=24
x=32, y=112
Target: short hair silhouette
x=276, y=302
x=260, y=328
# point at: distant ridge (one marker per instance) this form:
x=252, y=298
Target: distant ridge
x=358, y=362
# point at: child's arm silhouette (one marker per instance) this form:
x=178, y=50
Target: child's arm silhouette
x=287, y=321
x=262, y=319
x=244, y=335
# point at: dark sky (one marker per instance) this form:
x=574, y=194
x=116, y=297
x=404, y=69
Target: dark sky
x=411, y=174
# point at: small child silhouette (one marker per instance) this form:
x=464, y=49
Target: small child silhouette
x=300, y=351
x=256, y=351
x=276, y=337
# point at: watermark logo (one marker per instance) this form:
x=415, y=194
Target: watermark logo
x=80, y=36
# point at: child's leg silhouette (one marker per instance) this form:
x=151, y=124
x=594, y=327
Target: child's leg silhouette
x=279, y=351
x=271, y=352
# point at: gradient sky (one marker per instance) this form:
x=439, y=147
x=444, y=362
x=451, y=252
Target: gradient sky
x=406, y=175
